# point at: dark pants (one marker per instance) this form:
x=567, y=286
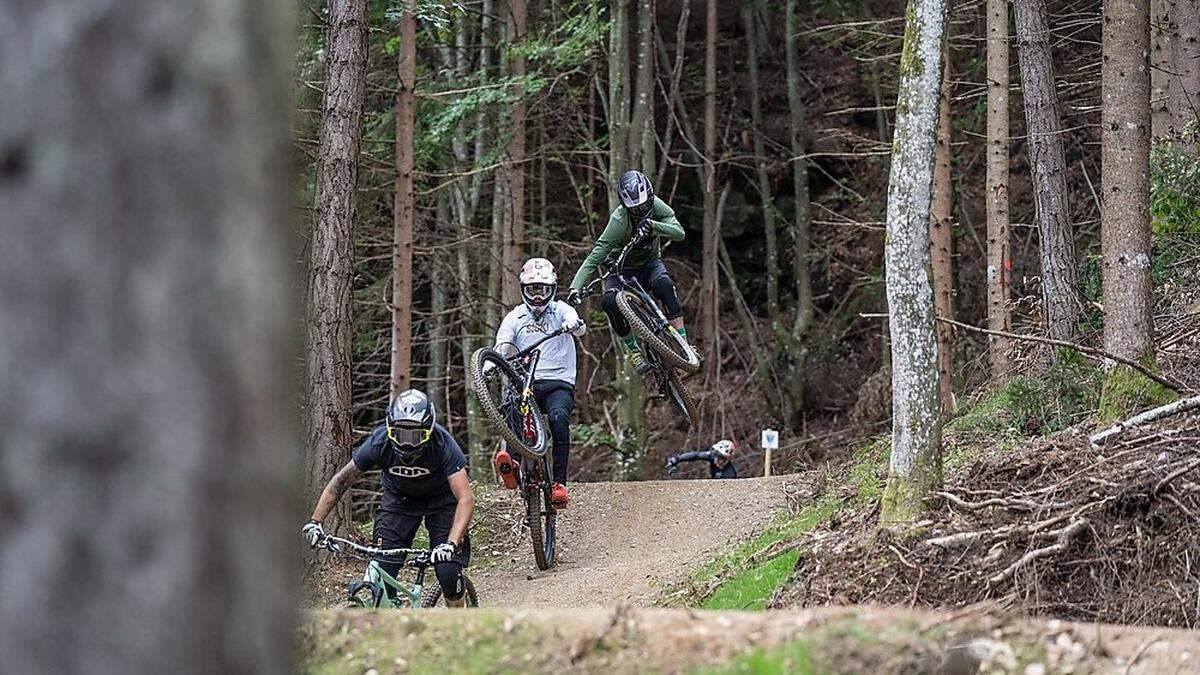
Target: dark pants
x=654, y=277
x=396, y=530
x=557, y=399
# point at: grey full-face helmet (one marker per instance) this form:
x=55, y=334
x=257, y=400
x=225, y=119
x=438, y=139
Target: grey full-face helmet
x=410, y=420
x=636, y=194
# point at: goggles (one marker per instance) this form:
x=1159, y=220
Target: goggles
x=642, y=210
x=538, y=292
x=409, y=436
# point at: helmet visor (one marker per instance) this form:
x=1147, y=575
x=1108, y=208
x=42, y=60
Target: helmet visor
x=409, y=437
x=538, y=294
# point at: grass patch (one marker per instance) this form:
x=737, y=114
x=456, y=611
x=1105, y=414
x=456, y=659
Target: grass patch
x=753, y=588
x=794, y=657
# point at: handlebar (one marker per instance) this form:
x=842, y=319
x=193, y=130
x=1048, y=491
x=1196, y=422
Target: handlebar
x=617, y=265
x=549, y=336
x=336, y=544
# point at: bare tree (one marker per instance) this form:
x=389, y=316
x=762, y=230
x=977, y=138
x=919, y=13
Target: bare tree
x=1125, y=186
x=641, y=118
x=1060, y=287
x=765, y=194
x=709, y=297
x=802, y=323
x=940, y=246
x=916, y=458
x=146, y=349
x=514, y=169
x=402, y=251
x=999, y=262
x=1185, y=63
x=331, y=257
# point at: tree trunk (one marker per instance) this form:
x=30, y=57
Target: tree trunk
x=1161, y=64
x=331, y=257
x=999, y=262
x=403, y=235
x=765, y=195
x=1060, y=287
x=708, y=292
x=641, y=120
x=801, y=210
x=436, y=373
x=1125, y=161
x=1185, y=87
x=940, y=247
x=146, y=338
x=916, y=458
x=514, y=169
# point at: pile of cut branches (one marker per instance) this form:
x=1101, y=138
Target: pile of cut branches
x=1057, y=528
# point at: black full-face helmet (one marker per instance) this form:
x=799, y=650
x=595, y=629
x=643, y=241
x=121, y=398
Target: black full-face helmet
x=410, y=420
x=636, y=194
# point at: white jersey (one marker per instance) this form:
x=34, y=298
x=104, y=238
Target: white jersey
x=520, y=329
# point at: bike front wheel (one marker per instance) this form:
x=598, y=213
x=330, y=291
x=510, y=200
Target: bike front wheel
x=500, y=393
x=644, y=321
x=433, y=595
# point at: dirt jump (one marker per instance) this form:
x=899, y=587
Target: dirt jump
x=619, y=542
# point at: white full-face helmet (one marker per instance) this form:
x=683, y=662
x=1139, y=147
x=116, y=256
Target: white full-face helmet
x=724, y=449
x=538, y=284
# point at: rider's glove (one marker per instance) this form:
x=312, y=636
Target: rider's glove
x=574, y=297
x=672, y=466
x=488, y=367
x=443, y=552
x=574, y=327
x=644, y=230
x=313, y=533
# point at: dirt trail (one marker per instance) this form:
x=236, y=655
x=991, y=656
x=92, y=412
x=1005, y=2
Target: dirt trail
x=618, y=542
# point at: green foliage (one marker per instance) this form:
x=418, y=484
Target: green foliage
x=1126, y=391
x=571, y=43
x=753, y=589
x=1174, y=191
x=1033, y=404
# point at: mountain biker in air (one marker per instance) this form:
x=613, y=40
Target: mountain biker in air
x=719, y=457
x=640, y=213
x=424, y=477
x=554, y=380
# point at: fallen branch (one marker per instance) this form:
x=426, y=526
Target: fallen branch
x=1175, y=474
x=1064, y=537
x=956, y=540
x=1090, y=351
x=1182, y=405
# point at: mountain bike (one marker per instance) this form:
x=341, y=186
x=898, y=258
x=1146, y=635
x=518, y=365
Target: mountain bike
x=504, y=386
x=372, y=590
x=665, y=350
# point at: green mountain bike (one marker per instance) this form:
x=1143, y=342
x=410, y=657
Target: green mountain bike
x=372, y=591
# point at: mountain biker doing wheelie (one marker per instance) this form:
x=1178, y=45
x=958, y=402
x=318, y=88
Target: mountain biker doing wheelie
x=424, y=477
x=554, y=380
x=642, y=215
x=719, y=457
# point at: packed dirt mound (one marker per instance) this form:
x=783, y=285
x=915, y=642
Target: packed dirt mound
x=1056, y=528
x=624, y=640
x=618, y=542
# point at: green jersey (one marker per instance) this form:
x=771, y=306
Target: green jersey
x=619, y=231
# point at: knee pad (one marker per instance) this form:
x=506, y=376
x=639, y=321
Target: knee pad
x=449, y=575
x=609, y=303
x=559, y=416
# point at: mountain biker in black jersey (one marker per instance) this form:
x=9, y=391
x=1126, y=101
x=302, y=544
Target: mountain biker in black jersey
x=423, y=473
x=554, y=380
x=719, y=457
x=640, y=213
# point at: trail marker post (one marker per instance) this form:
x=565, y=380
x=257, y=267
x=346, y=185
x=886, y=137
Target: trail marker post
x=770, y=441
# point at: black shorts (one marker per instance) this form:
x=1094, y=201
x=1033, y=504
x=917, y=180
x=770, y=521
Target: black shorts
x=395, y=529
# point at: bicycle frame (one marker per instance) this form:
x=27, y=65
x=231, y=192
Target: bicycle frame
x=380, y=579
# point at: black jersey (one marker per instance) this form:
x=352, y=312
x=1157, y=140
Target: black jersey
x=421, y=486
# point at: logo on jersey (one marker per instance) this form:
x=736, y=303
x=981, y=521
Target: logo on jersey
x=408, y=471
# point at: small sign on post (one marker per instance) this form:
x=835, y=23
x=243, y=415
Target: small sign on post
x=770, y=441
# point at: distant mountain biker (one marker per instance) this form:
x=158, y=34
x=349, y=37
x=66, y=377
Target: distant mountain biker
x=719, y=457
x=424, y=477
x=554, y=381
x=640, y=213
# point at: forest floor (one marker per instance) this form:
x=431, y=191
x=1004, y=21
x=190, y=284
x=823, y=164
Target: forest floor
x=628, y=640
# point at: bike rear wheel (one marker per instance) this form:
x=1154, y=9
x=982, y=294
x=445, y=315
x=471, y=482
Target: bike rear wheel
x=433, y=595
x=670, y=346
x=678, y=397
x=539, y=513
x=500, y=396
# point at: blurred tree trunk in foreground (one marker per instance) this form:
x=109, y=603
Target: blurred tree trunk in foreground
x=149, y=466
x=331, y=257
x=916, y=459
